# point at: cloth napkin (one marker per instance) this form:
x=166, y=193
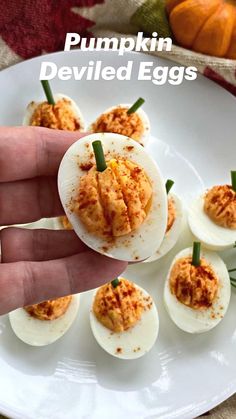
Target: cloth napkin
x=30, y=28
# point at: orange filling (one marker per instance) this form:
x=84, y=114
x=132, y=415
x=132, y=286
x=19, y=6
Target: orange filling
x=194, y=286
x=50, y=309
x=116, y=201
x=66, y=224
x=171, y=214
x=58, y=116
x=119, y=122
x=118, y=308
x=220, y=206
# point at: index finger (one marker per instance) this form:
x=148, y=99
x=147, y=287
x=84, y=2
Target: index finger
x=28, y=152
x=24, y=283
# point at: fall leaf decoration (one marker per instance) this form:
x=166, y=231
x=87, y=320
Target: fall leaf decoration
x=31, y=28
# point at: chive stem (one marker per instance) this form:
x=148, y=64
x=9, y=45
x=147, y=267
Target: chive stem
x=115, y=282
x=48, y=92
x=232, y=270
x=233, y=179
x=169, y=184
x=232, y=282
x=99, y=156
x=136, y=106
x=196, y=254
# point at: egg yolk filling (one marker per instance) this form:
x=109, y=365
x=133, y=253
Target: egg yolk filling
x=65, y=223
x=120, y=122
x=50, y=309
x=118, y=308
x=116, y=201
x=194, y=286
x=58, y=116
x=171, y=214
x=220, y=206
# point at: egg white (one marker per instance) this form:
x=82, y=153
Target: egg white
x=37, y=332
x=75, y=109
x=45, y=223
x=173, y=234
x=57, y=225
x=139, y=244
x=143, y=116
x=198, y=321
x=212, y=236
x=143, y=335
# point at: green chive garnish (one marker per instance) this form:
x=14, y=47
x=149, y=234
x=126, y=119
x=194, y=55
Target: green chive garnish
x=169, y=184
x=233, y=281
x=136, y=105
x=48, y=92
x=99, y=156
x=115, y=282
x=233, y=179
x=196, y=254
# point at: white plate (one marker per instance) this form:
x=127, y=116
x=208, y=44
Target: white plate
x=183, y=375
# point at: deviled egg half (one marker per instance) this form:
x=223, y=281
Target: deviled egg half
x=174, y=225
x=46, y=223
x=62, y=223
x=117, y=206
x=125, y=119
x=197, y=290
x=212, y=216
x=44, y=323
x=124, y=319
x=57, y=112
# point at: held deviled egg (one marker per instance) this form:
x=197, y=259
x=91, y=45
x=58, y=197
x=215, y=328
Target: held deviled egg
x=212, y=217
x=57, y=112
x=197, y=290
x=44, y=323
x=62, y=223
x=124, y=319
x=174, y=225
x=125, y=119
x=117, y=206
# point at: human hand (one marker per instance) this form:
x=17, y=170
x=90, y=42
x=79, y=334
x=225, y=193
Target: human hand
x=39, y=265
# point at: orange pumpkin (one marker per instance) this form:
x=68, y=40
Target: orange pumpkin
x=206, y=26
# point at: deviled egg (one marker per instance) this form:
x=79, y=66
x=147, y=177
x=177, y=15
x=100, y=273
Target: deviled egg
x=125, y=119
x=212, y=217
x=197, y=290
x=174, y=225
x=124, y=319
x=44, y=323
x=62, y=223
x=46, y=223
x=117, y=206
x=57, y=112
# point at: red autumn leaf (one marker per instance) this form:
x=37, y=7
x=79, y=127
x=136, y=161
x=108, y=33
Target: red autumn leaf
x=33, y=27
